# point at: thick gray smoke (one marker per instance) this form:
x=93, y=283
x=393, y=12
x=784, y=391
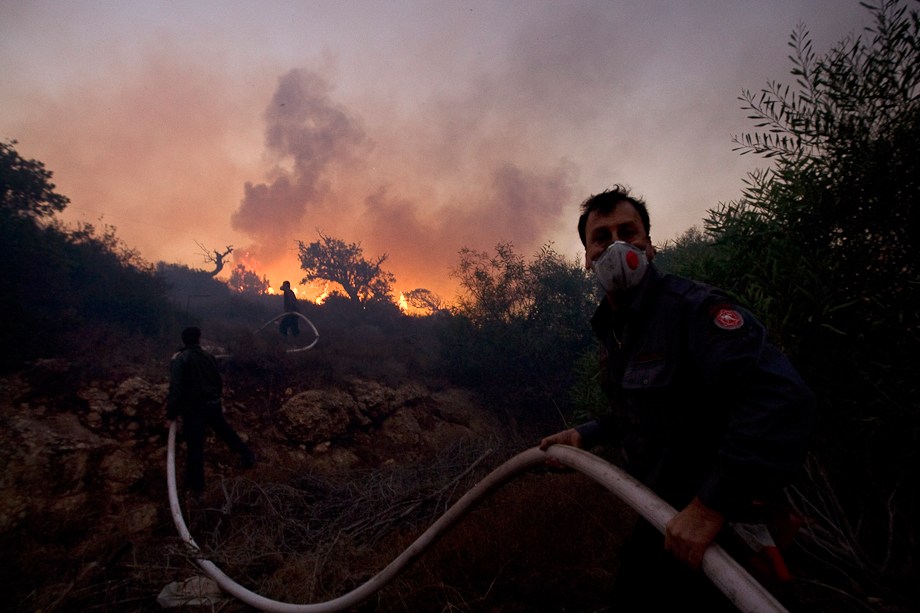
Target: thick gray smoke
x=305, y=127
x=327, y=176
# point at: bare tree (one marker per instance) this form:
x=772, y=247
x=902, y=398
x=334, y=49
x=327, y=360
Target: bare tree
x=215, y=257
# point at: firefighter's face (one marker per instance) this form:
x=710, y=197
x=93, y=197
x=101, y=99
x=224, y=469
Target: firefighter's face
x=623, y=223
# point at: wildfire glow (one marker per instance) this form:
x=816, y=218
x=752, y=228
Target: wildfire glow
x=407, y=308
x=322, y=297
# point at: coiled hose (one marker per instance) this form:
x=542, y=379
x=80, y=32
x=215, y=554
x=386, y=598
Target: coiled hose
x=742, y=589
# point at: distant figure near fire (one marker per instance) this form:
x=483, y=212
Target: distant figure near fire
x=195, y=389
x=290, y=306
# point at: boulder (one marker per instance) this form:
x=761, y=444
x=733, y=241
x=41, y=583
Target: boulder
x=460, y=407
x=316, y=416
x=135, y=395
x=197, y=591
x=139, y=519
x=121, y=470
x=333, y=460
x=45, y=458
x=378, y=402
x=402, y=428
x=98, y=399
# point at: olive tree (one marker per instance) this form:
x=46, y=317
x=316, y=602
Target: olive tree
x=823, y=246
x=517, y=328
x=245, y=280
x=334, y=260
x=26, y=189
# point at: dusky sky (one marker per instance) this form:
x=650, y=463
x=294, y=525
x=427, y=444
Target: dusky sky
x=415, y=128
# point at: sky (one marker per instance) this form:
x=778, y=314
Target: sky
x=414, y=128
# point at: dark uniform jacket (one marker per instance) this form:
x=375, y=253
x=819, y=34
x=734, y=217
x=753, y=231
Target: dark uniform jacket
x=193, y=381
x=290, y=302
x=702, y=404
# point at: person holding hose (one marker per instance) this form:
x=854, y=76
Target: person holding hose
x=195, y=388
x=290, y=322
x=706, y=411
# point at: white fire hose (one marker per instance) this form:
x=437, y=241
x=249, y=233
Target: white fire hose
x=742, y=589
x=300, y=315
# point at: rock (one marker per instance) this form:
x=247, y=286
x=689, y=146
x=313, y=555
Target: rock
x=14, y=507
x=315, y=416
x=334, y=460
x=70, y=433
x=402, y=428
x=198, y=591
x=158, y=455
x=461, y=408
x=378, y=402
x=98, y=399
x=68, y=505
x=140, y=519
x=135, y=395
x=409, y=420
x=72, y=470
x=121, y=470
x=47, y=461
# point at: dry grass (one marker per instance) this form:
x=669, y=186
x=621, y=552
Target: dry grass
x=543, y=542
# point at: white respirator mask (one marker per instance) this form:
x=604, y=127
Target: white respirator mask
x=621, y=267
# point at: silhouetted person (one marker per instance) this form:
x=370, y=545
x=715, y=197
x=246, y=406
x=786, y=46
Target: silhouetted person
x=291, y=322
x=195, y=389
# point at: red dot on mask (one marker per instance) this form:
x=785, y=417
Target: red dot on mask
x=632, y=260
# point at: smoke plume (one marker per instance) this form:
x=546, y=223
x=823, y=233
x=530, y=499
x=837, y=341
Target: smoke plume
x=306, y=129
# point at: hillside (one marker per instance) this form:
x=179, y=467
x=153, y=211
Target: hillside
x=85, y=523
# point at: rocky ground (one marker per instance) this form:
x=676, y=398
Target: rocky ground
x=85, y=523
x=83, y=485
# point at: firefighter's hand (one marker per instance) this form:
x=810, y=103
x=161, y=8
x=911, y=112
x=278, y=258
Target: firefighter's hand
x=569, y=437
x=690, y=532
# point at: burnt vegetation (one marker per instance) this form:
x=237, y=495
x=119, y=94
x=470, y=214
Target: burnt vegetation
x=821, y=246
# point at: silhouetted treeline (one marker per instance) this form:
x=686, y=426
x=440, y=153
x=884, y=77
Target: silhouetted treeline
x=516, y=331
x=63, y=288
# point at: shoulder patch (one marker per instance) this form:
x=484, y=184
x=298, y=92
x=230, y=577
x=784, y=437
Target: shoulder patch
x=726, y=317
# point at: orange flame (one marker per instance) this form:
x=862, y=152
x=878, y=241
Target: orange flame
x=403, y=303
x=322, y=297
